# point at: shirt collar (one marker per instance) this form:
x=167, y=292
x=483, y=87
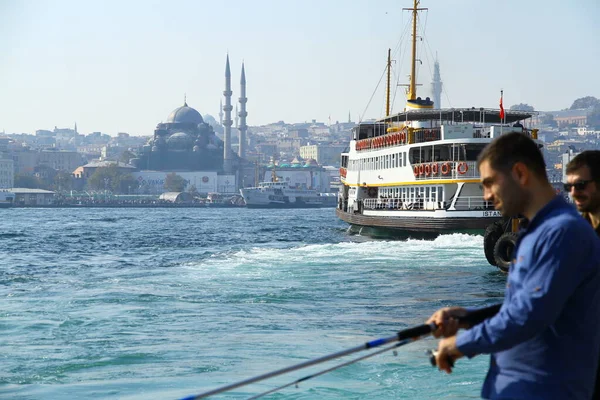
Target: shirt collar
x=556, y=203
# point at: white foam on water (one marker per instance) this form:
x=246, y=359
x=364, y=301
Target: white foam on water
x=413, y=252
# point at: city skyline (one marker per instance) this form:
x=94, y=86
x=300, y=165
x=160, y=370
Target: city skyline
x=123, y=67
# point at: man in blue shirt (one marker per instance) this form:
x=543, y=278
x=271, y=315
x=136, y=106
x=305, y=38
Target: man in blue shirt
x=545, y=340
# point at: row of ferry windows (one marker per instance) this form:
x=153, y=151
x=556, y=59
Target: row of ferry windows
x=418, y=155
x=395, y=160
x=413, y=193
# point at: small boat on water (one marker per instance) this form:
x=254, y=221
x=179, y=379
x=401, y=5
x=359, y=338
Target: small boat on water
x=7, y=198
x=414, y=173
x=220, y=200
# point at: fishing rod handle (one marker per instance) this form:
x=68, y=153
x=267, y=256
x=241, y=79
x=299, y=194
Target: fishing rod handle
x=476, y=317
x=473, y=318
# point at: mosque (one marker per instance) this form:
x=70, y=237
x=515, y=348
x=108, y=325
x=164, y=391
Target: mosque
x=188, y=146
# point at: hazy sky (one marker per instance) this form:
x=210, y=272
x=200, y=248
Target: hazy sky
x=123, y=66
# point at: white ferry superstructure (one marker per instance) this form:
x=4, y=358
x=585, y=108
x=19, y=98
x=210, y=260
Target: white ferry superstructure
x=415, y=171
x=281, y=195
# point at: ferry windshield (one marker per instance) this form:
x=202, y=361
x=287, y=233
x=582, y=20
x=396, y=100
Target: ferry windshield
x=445, y=152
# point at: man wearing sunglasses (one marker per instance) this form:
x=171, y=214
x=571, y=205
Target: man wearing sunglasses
x=583, y=177
x=544, y=341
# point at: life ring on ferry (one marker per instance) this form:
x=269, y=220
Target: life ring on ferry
x=445, y=168
x=427, y=169
x=416, y=170
x=421, y=169
x=462, y=168
x=372, y=192
x=434, y=168
x=402, y=137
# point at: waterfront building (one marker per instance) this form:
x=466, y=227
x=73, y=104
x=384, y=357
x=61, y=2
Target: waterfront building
x=32, y=197
x=7, y=172
x=60, y=160
x=324, y=154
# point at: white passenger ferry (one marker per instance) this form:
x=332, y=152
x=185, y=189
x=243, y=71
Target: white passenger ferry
x=281, y=195
x=415, y=173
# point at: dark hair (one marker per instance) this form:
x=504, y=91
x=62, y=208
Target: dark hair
x=513, y=147
x=588, y=158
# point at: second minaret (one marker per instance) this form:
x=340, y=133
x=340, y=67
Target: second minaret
x=243, y=114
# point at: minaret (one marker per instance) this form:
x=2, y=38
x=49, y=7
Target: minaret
x=227, y=123
x=221, y=112
x=243, y=114
x=76, y=128
x=349, y=119
x=237, y=117
x=436, y=85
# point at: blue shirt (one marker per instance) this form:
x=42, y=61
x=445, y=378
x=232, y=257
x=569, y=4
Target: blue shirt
x=545, y=340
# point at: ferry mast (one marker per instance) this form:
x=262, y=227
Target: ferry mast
x=412, y=89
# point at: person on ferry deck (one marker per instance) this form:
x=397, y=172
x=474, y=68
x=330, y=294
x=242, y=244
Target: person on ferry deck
x=544, y=341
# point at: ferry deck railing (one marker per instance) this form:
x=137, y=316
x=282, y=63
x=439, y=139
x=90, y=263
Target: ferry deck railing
x=463, y=203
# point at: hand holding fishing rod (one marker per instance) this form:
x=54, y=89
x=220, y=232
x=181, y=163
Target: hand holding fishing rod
x=448, y=321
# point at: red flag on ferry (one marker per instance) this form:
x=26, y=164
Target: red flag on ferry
x=501, y=108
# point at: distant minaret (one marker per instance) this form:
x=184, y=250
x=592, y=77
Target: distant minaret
x=237, y=117
x=349, y=119
x=436, y=85
x=76, y=128
x=243, y=114
x=227, y=123
x=221, y=113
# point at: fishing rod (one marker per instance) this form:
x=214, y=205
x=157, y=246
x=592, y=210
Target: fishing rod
x=410, y=333
x=402, y=337
x=355, y=360
x=475, y=317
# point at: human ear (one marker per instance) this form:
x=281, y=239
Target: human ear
x=520, y=173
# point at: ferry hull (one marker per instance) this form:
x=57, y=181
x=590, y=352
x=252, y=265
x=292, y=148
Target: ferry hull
x=286, y=205
x=416, y=226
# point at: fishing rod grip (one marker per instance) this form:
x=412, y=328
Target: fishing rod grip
x=476, y=317
x=415, y=332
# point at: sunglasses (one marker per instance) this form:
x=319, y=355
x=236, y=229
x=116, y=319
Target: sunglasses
x=579, y=185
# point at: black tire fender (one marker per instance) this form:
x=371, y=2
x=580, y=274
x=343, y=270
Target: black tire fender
x=491, y=236
x=503, y=250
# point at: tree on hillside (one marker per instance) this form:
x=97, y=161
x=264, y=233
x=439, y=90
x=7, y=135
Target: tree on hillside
x=174, y=183
x=27, y=181
x=548, y=119
x=126, y=156
x=112, y=178
x=193, y=190
x=585, y=102
x=593, y=119
x=63, y=181
x=521, y=107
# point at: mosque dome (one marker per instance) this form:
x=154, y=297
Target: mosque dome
x=180, y=141
x=185, y=115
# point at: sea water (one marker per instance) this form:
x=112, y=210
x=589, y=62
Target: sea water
x=165, y=303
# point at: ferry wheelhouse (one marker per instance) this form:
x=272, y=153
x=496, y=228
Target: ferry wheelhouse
x=415, y=172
